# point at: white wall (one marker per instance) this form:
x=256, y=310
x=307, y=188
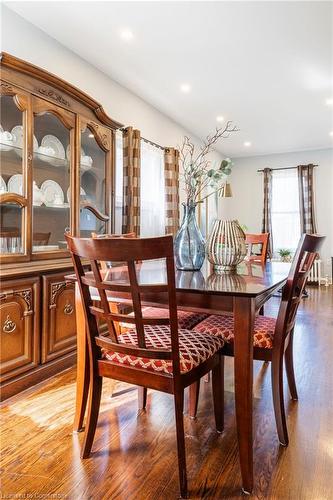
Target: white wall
x=247, y=186
x=22, y=39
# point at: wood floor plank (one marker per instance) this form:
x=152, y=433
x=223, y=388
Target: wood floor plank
x=134, y=453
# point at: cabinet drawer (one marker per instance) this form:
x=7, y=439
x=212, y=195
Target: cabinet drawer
x=59, y=322
x=19, y=323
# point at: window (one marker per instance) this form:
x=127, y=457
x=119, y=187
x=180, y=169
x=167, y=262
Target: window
x=119, y=182
x=152, y=191
x=286, y=226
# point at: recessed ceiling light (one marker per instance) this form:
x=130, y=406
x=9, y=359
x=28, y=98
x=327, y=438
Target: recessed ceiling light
x=247, y=144
x=126, y=35
x=329, y=101
x=91, y=136
x=331, y=133
x=220, y=118
x=185, y=87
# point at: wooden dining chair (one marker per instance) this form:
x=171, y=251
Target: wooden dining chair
x=186, y=320
x=155, y=353
x=39, y=239
x=257, y=240
x=273, y=337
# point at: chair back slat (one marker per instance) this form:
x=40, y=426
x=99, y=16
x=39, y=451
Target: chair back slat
x=130, y=252
x=136, y=300
x=305, y=255
x=104, y=300
x=126, y=318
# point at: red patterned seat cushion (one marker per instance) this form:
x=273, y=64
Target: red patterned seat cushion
x=186, y=319
x=194, y=349
x=223, y=326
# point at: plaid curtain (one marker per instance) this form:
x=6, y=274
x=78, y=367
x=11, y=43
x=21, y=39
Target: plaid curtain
x=306, y=199
x=131, y=181
x=171, y=178
x=267, y=212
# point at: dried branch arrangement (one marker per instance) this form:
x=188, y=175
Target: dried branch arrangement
x=197, y=172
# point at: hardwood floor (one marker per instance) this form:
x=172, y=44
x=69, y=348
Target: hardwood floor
x=134, y=455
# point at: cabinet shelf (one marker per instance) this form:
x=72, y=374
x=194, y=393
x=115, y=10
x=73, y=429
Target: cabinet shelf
x=84, y=205
x=40, y=160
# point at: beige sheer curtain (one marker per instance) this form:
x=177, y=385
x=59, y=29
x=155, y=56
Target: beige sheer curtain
x=131, y=181
x=267, y=212
x=306, y=199
x=171, y=179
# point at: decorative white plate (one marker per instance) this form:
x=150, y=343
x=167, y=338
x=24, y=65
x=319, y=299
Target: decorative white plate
x=15, y=184
x=85, y=161
x=3, y=186
x=56, y=205
x=52, y=191
x=17, y=133
x=51, y=141
x=68, y=152
x=6, y=140
x=82, y=193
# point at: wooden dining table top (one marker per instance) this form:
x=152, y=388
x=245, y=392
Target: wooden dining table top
x=250, y=280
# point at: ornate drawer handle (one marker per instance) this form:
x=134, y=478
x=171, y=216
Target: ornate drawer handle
x=9, y=326
x=68, y=309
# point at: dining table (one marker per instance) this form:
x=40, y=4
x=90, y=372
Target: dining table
x=242, y=293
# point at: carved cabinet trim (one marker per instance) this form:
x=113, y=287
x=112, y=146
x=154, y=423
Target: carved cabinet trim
x=19, y=330
x=59, y=322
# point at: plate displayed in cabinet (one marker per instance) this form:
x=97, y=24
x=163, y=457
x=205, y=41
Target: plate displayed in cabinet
x=57, y=205
x=6, y=140
x=3, y=186
x=52, y=142
x=82, y=193
x=85, y=161
x=15, y=184
x=53, y=194
x=18, y=137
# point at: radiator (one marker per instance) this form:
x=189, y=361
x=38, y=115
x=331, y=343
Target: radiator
x=315, y=273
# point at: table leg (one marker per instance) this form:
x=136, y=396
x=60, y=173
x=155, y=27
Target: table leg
x=244, y=314
x=82, y=370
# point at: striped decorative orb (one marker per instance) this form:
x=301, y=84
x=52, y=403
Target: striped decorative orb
x=226, y=246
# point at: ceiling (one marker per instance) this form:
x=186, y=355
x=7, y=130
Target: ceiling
x=268, y=66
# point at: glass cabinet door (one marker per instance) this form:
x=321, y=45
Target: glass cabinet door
x=51, y=180
x=13, y=194
x=11, y=229
x=95, y=182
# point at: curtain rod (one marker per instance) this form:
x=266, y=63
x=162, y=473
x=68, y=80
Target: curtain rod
x=283, y=168
x=152, y=143
x=147, y=140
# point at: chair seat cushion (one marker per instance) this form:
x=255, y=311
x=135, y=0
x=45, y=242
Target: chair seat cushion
x=223, y=326
x=194, y=349
x=186, y=319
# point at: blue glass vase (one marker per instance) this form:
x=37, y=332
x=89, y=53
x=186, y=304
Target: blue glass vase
x=189, y=245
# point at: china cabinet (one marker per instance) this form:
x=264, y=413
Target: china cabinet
x=57, y=150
